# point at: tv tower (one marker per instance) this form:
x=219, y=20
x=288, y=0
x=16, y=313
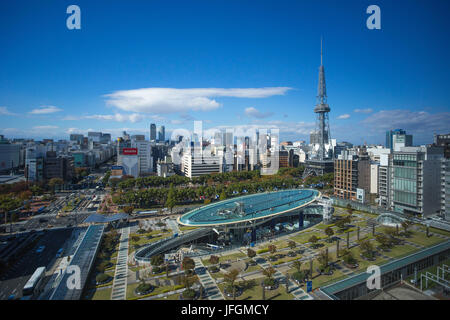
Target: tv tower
x=322, y=109
x=320, y=162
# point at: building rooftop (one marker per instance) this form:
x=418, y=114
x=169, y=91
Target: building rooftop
x=248, y=208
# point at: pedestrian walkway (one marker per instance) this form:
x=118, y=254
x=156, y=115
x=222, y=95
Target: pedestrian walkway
x=297, y=292
x=211, y=290
x=119, y=289
x=173, y=225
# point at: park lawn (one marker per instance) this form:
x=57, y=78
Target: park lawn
x=102, y=294
x=233, y=256
x=401, y=251
x=186, y=228
x=303, y=237
x=143, y=238
x=156, y=291
x=281, y=244
x=175, y=296
x=363, y=264
x=421, y=239
x=252, y=268
x=255, y=292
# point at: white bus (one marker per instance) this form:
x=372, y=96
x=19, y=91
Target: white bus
x=35, y=285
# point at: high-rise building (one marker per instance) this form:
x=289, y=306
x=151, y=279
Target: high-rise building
x=445, y=188
x=161, y=134
x=144, y=149
x=195, y=166
x=443, y=140
x=415, y=180
x=153, y=132
x=396, y=139
x=9, y=155
x=346, y=176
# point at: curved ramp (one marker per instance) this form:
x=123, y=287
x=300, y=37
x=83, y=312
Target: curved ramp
x=159, y=247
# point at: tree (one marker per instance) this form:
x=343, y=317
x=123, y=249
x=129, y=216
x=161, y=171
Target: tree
x=251, y=253
x=329, y=232
x=272, y=248
x=223, y=195
x=214, y=259
x=323, y=259
x=128, y=209
x=171, y=199
x=269, y=273
x=188, y=263
x=406, y=224
x=292, y=244
x=297, y=264
x=156, y=260
x=55, y=182
x=313, y=239
x=230, y=277
x=367, y=248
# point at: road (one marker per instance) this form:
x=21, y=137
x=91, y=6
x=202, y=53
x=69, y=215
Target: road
x=13, y=280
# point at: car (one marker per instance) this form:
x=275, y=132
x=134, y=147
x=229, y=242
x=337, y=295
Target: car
x=40, y=249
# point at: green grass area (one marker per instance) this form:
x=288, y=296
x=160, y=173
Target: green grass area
x=303, y=237
x=162, y=289
x=400, y=251
x=175, y=296
x=421, y=239
x=102, y=294
x=232, y=257
x=148, y=237
x=254, y=292
x=186, y=228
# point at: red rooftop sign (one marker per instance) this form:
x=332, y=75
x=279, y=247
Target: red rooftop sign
x=129, y=151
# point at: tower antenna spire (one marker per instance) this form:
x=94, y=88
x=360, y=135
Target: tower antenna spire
x=321, y=50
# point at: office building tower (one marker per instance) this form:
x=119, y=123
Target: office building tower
x=153, y=132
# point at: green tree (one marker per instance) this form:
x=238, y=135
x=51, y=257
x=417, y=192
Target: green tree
x=251, y=253
x=329, y=232
x=230, y=277
x=171, y=199
x=223, y=195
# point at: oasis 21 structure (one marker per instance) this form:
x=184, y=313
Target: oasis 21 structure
x=320, y=161
x=244, y=220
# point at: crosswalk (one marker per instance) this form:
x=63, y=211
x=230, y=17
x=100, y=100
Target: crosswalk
x=119, y=288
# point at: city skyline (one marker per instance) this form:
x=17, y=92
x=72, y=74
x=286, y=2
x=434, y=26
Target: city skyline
x=242, y=72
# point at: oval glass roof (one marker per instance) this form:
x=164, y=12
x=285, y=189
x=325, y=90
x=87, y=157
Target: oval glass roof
x=250, y=207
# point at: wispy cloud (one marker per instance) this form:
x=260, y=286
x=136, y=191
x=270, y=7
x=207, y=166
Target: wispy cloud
x=5, y=112
x=45, y=110
x=255, y=113
x=344, y=116
x=133, y=118
x=419, y=123
x=172, y=100
x=368, y=110
x=47, y=127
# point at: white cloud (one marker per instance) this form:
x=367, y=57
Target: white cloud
x=45, y=127
x=171, y=100
x=344, y=116
x=5, y=112
x=253, y=112
x=413, y=121
x=134, y=117
x=45, y=110
x=368, y=110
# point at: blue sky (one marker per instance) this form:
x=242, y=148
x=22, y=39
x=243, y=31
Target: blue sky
x=253, y=63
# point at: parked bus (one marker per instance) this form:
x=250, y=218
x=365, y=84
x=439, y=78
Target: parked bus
x=35, y=285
